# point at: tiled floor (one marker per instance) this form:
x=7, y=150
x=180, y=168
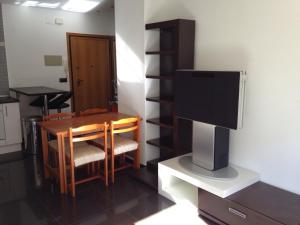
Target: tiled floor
x=26, y=200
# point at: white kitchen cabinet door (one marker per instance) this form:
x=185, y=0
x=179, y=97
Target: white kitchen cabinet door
x=2, y=127
x=12, y=123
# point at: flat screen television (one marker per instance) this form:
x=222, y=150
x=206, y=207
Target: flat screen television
x=213, y=97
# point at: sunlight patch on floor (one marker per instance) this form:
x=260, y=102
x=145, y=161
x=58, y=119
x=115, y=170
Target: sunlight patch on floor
x=183, y=213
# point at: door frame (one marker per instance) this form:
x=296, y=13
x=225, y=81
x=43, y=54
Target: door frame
x=111, y=38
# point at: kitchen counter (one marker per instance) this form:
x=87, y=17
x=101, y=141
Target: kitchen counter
x=7, y=99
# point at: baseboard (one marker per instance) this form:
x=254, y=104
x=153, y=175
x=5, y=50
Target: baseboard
x=10, y=148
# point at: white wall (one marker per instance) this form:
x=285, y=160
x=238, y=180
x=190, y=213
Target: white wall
x=261, y=37
x=129, y=24
x=29, y=37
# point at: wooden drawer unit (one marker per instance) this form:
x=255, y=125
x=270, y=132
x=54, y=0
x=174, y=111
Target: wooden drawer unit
x=259, y=204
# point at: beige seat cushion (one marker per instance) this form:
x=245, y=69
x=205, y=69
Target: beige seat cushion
x=83, y=152
x=53, y=144
x=122, y=144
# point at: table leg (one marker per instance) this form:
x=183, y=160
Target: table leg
x=46, y=105
x=45, y=151
x=60, y=164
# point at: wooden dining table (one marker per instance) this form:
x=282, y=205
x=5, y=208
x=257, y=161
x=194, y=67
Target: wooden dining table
x=60, y=128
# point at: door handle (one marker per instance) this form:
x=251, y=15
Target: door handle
x=79, y=81
x=6, y=112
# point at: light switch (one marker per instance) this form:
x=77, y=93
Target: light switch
x=59, y=21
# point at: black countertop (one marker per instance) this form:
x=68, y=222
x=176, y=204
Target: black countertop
x=4, y=100
x=37, y=91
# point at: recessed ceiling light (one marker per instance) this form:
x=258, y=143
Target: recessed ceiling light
x=17, y=3
x=49, y=5
x=80, y=5
x=30, y=3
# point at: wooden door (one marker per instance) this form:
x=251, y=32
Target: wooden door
x=90, y=71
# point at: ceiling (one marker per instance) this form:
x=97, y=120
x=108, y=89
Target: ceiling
x=104, y=6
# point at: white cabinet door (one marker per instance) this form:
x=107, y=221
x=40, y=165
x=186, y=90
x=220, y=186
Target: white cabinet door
x=2, y=126
x=12, y=123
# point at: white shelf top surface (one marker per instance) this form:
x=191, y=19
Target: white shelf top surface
x=220, y=187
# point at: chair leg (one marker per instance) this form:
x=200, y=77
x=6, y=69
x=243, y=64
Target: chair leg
x=122, y=159
x=88, y=169
x=105, y=170
x=112, y=168
x=93, y=168
x=98, y=167
x=72, y=170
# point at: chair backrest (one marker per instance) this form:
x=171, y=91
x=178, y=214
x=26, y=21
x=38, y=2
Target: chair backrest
x=125, y=126
x=58, y=116
x=88, y=133
x=93, y=111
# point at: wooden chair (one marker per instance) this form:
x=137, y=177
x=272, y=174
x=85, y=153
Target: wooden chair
x=79, y=153
x=119, y=145
x=53, y=144
x=93, y=111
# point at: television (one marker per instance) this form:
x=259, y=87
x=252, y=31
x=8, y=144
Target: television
x=212, y=97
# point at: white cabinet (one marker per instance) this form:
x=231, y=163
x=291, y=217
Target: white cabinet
x=12, y=123
x=10, y=128
x=2, y=127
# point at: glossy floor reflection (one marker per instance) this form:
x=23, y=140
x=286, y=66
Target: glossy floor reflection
x=26, y=200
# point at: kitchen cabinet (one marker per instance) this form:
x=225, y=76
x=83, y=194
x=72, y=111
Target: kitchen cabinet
x=2, y=128
x=10, y=128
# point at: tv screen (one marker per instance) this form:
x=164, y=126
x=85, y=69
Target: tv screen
x=213, y=97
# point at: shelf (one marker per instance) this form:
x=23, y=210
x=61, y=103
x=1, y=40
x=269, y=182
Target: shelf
x=152, y=165
x=160, y=52
x=165, y=143
x=165, y=100
x=166, y=122
x=162, y=25
x=160, y=77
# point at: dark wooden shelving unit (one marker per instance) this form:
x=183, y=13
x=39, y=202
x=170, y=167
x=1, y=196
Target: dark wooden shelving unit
x=160, y=77
x=166, y=122
x=164, y=143
x=169, y=52
x=176, y=51
x=163, y=100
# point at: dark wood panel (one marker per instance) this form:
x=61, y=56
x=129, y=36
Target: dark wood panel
x=230, y=212
x=271, y=201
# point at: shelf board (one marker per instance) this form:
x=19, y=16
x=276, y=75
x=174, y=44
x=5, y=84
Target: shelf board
x=164, y=100
x=166, y=122
x=162, y=25
x=164, y=143
x=160, y=77
x=160, y=52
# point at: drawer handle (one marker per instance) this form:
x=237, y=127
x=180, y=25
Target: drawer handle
x=237, y=213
